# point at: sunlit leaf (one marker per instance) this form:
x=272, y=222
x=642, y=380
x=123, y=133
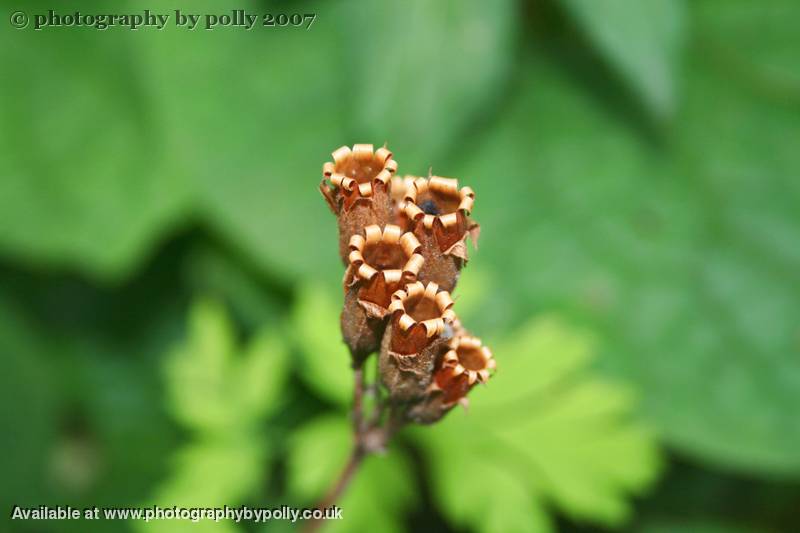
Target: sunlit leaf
x=545, y=432
x=379, y=494
x=324, y=358
x=213, y=387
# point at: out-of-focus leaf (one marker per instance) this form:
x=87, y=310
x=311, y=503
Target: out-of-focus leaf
x=682, y=256
x=643, y=41
x=421, y=72
x=324, y=358
x=224, y=396
x=211, y=386
x=381, y=491
x=766, y=37
x=254, y=133
x=547, y=432
x=208, y=474
x=87, y=181
x=216, y=272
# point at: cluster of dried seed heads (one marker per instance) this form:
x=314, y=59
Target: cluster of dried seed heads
x=403, y=242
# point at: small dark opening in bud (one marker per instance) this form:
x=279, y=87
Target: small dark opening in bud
x=429, y=208
x=435, y=203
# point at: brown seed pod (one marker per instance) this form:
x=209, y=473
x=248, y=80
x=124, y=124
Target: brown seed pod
x=379, y=263
x=440, y=214
x=356, y=186
x=399, y=187
x=465, y=363
x=413, y=338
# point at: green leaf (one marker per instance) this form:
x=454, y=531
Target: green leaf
x=224, y=396
x=208, y=474
x=422, y=72
x=643, y=41
x=324, y=359
x=87, y=179
x=545, y=431
x=256, y=132
x=680, y=255
x=379, y=495
x=30, y=410
x=766, y=37
x=211, y=386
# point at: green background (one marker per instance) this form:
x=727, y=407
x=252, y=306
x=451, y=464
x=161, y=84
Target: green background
x=169, y=280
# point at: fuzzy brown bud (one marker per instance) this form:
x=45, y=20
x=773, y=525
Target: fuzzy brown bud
x=356, y=187
x=439, y=212
x=416, y=332
x=380, y=261
x=465, y=363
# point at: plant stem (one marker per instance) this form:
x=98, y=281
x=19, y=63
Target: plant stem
x=339, y=487
x=358, y=401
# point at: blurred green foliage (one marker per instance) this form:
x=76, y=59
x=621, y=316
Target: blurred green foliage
x=638, y=184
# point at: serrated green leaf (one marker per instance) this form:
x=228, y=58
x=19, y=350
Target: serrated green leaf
x=547, y=433
x=324, y=358
x=213, y=387
x=643, y=41
x=429, y=70
x=223, y=396
x=380, y=493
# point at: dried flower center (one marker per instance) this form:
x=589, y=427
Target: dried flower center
x=423, y=309
x=362, y=171
x=471, y=358
x=436, y=203
x=384, y=256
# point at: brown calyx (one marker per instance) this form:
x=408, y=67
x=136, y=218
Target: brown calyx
x=356, y=187
x=439, y=212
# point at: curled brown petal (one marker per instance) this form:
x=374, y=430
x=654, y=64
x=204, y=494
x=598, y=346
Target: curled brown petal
x=421, y=315
x=439, y=213
x=356, y=187
x=380, y=260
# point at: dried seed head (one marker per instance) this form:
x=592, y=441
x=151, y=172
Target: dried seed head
x=356, y=186
x=465, y=363
x=380, y=262
x=413, y=339
x=439, y=211
x=399, y=188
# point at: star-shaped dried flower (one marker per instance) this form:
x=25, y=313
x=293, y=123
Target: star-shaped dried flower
x=416, y=332
x=356, y=188
x=380, y=261
x=439, y=212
